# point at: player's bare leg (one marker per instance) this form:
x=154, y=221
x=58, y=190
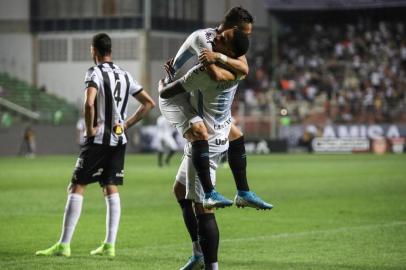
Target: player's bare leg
x=198, y=136
x=209, y=236
x=238, y=164
x=112, y=221
x=71, y=216
x=189, y=217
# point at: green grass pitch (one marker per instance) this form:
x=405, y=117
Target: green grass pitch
x=331, y=212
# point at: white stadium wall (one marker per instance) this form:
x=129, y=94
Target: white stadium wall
x=59, y=61
x=64, y=59
x=15, y=39
x=16, y=55
x=14, y=10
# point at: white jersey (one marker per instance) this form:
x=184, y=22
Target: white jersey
x=193, y=46
x=212, y=101
x=177, y=110
x=113, y=85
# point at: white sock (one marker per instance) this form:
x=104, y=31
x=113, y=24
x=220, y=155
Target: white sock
x=112, y=217
x=197, y=250
x=70, y=218
x=214, y=266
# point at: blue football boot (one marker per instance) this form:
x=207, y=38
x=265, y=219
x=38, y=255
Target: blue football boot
x=194, y=263
x=250, y=199
x=214, y=199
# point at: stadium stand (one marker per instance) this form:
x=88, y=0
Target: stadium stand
x=27, y=99
x=351, y=70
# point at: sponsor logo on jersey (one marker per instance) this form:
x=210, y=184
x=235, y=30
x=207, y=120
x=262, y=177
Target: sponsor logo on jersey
x=117, y=71
x=221, y=141
x=197, y=70
x=223, y=125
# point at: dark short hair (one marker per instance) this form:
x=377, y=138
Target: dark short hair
x=102, y=42
x=240, y=43
x=237, y=16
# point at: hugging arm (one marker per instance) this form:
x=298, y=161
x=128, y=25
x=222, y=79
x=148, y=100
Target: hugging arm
x=238, y=65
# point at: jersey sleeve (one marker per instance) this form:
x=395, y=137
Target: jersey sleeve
x=91, y=79
x=135, y=87
x=201, y=40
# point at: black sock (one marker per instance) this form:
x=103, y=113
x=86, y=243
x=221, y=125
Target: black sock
x=160, y=156
x=209, y=237
x=169, y=156
x=189, y=218
x=237, y=159
x=201, y=161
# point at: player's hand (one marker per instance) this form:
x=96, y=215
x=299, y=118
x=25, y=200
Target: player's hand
x=169, y=68
x=207, y=57
x=161, y=85
x=92, y=132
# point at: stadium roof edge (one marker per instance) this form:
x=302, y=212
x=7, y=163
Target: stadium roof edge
x=286, y=5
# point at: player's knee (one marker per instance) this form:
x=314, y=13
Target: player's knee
x=235, y=133
x=200, y=210
x=199, y=132
x=110, y=189
x=76, y=188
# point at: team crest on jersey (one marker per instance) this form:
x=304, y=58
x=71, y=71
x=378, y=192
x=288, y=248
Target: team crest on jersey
x=118, y=129
x=209, y=36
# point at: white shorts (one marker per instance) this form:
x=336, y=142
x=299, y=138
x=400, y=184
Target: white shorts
x=179, y=112
x=187, y=176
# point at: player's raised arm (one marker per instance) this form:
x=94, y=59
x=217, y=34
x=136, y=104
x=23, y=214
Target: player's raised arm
x=218, y=73
x=238, y=65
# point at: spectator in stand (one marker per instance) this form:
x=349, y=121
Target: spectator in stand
x=354, y=72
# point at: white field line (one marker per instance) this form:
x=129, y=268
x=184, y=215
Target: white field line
x=135, y=250
x=288, y=234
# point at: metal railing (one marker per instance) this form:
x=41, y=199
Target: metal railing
x=19, y=109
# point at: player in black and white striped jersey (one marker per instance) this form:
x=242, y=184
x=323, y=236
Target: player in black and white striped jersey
x=101, y=157
x=113, y=85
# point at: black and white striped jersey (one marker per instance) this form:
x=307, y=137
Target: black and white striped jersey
x=114, y=85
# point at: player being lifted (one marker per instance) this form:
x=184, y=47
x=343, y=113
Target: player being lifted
x=101, y=157
x=192, y=127
x=212, y=100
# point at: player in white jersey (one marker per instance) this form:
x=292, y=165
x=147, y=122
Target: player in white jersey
x=236, y=18
x=180, y=114
x=166, y=142
x=191, y=127
x=101, y=157
x=212, y=101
